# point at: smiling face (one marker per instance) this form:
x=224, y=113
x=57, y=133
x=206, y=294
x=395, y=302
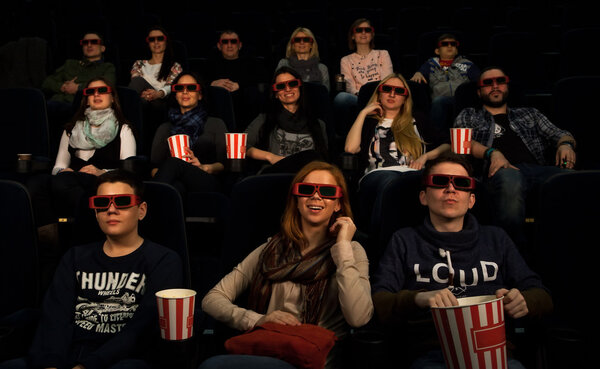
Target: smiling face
x=392, y=101
x=157, y=47
x=289, y=96
x=99, y=101
x=93, y=52
x=302, y=48
x=187, y=100
x=363, y=38
x=314, y=210
x=119, y=223
x=447, y=205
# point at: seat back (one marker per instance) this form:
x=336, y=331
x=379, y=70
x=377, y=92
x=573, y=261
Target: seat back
x=257, y=204
x=165, y=222
x=24, y=125
x=19, y=269
x=574, y=104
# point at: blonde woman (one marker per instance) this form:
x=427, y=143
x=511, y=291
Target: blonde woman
x=302, y=55
x=390, y=141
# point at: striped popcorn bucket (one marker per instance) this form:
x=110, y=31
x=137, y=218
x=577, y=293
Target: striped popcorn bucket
x=177, y=143
x=176, y=313
x=472, y=335
x=236, y=145
x=461, y=140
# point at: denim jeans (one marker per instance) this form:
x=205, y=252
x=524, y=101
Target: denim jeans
x=442, y=113
x=508, y=190
x=245, y=362
x=345, y=110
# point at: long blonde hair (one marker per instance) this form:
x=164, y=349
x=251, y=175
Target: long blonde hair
x=404, y=133
x=314, y=49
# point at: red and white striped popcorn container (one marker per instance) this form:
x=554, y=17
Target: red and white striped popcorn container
x=177, y=144
x=472, y=335
x=461, y=140
x=176, y=313
x=236, y=145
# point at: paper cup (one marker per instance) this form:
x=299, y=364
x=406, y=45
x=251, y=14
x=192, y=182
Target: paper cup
x=176, y=313
x=236, y=145
x=461, y=140
x=472, y=335
x=177, y=144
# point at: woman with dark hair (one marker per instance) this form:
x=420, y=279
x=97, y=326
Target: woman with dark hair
x=94, y=142
x=98, y=136
x=310, y=272
x=152, y=79
x=206, y=154
x=288, y=136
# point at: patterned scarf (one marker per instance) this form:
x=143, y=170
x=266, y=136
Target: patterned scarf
x=190, y=123
x=280, y=262
x=105, y=130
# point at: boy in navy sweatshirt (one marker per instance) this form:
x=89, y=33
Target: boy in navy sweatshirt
x=101, y=301
x=450, y=256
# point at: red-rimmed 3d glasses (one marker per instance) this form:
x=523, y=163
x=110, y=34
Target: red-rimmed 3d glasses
x=225, y=41
x=151, y=39
x=92, y=41
x=325, y=191
x=306, y=40
x=292, y=83
x=189, y=87
x=364, y=29
x=397, y=89
x=486, y=82
x=461, y=183
x=102, y=202
x=101, y=90
x=448, y=43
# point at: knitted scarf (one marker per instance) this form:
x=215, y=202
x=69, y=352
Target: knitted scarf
x=105, y=129
x=308, y=69
x=281, y=262
x=190, y=123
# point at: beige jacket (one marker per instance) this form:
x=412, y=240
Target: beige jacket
x=347, y=301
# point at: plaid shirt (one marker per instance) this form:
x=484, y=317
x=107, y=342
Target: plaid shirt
x=536, y=131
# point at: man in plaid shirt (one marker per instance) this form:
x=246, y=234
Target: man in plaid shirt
x=514, y=142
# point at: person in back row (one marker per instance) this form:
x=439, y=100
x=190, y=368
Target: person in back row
x=364, y=65
x=302, y=55
x=239, y=75
x=449, y=256
x=444, y=73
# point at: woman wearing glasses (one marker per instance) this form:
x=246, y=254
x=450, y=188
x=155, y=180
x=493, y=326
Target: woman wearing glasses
x=94, y=142
x=206, y=154
x=390, y=141
x=152, y=79
x=288, y=136
x=364, y=65
x=310, y=272
x=302, y=55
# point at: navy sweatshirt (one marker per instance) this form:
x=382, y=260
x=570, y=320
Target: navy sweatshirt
x=484, y=260
x=98, y=306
